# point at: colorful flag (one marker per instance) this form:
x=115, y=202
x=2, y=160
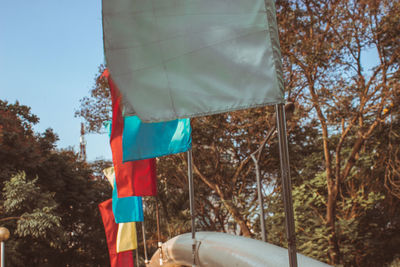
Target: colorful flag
x=126, y=237
x=122, y=259
x=125, y=259
x=109, y=173
x=136, y=178
x=181, y=59
x=150, y=140
x=125, y=209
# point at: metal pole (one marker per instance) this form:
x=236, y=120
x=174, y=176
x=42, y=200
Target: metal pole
x=137, y=257
x=159, y=233
x=137, y=249
x=146, y=260
x=2, y=254
x=158, y=224
x=4, y=235
x=191, y=202
x=260, y=199
x=286, y=184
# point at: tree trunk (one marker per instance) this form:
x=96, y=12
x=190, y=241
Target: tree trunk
x=235, y=214
x=333, y=246
x=231, y=209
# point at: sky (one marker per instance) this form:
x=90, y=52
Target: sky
x=50, y=51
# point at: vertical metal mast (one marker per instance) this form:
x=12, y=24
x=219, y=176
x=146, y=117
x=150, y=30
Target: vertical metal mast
x=4, y=235
x=260, y=198
x=159, y=243
x=286, y=184
x=2, y=254
x=137, y=253
x=146, y=259
x=191, y=201
x=256, y=158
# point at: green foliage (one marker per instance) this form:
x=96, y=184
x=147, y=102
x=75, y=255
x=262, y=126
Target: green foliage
x=395, y=263
x=96, y=109
x=38, y=223
x=355, y=227
x=38, y=218
x=48, y=198
x=21, y=194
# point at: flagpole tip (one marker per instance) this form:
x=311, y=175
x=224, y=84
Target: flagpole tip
x=4, y=234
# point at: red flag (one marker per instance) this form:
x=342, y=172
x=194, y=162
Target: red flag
x=133, y=178
x=125, y=259
x=122, y=259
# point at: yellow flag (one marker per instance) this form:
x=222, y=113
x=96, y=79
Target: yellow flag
x=109, y=173
x=126, y=237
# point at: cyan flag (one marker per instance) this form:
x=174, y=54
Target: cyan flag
x=126, y=209
x=151, y=140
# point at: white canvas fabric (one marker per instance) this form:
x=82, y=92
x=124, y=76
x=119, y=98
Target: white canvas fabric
x=184, y=58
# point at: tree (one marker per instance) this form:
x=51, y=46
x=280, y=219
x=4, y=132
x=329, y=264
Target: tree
x=324, y=61
x=38, y=218
x=49, y=199
x=97, y=108
x=342, y=136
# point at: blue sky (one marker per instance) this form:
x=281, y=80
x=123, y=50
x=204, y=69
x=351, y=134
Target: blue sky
x=49, y=54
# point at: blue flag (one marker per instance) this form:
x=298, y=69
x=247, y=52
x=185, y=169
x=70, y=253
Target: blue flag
x=151, y=140
x=126, y=209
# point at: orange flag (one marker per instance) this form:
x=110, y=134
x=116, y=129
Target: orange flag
x=122, y=259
